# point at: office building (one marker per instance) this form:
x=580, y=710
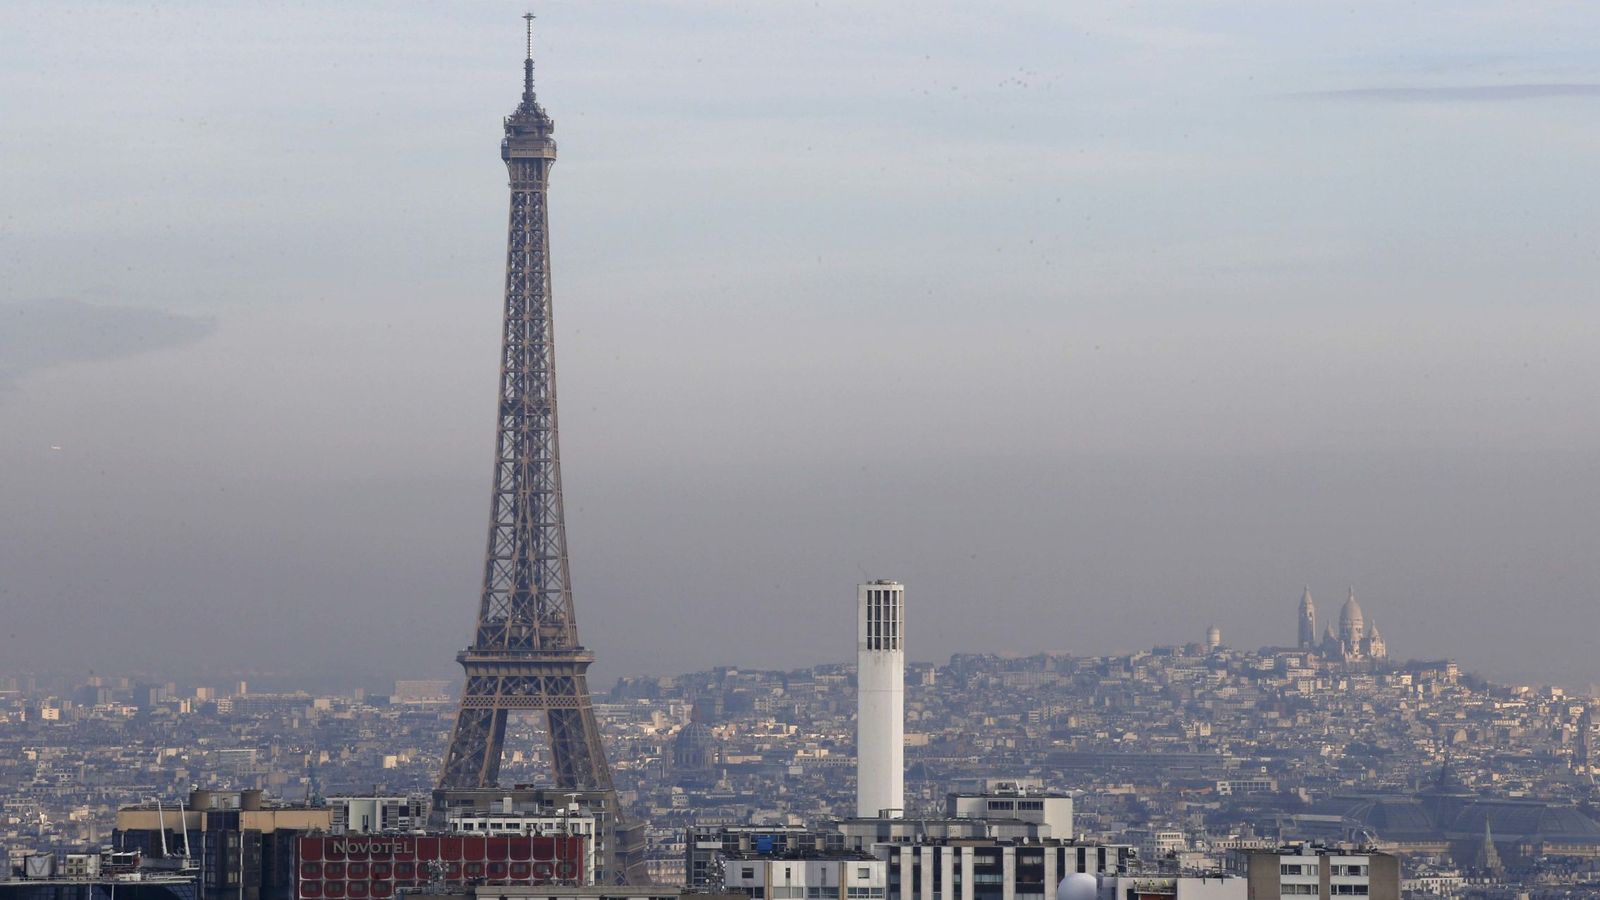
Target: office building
x=706, y=847
x=238, y=843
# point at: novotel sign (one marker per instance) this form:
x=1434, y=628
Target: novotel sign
x=447, y=847
x=372, y=847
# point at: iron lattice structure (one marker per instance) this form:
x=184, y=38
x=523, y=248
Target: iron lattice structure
x=525, y=655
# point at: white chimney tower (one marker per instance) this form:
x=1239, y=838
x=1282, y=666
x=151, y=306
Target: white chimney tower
x=880, y=699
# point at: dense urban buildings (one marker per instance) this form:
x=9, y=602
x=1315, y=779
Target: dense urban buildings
x=1180, y=753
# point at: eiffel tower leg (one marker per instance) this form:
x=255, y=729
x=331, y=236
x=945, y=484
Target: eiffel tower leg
x=578, y=764
x=473, y=760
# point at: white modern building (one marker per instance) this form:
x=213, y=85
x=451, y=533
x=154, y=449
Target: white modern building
x=840, y=876
x=376, y=815
x=1021, y=800
x=881, y=699
x=996, y=870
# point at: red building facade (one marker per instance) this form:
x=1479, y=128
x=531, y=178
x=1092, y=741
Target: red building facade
x=372, y=867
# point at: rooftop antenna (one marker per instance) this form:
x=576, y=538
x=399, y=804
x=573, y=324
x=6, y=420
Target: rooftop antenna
x=183, y=817
x=161, y=824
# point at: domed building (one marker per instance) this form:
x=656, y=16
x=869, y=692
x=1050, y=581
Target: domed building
x=694, y=749
x=1355, y=640
x=1352, y=624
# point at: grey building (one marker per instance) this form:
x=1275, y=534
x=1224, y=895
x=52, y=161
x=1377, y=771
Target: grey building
x=707, y=846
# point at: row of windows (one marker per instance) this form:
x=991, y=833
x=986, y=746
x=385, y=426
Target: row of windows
x=406, y=871
x=749, y=872
x=1311, y=890
x=883, y=620
x=1070, y=859
x=519, y=827
x=1034, y=805
x=815, y=892
x=1341, y=869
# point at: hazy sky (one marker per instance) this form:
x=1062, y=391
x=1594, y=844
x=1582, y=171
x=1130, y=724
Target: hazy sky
x=1094, y=323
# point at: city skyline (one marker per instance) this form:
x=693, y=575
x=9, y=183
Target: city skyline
x=1262, y=743
x=1172, y=342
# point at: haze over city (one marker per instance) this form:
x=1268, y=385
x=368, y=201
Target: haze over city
x=1092, y=327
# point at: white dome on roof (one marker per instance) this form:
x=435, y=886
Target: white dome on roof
x=1351, y=621
x=1352, y=625
x=1078, y=886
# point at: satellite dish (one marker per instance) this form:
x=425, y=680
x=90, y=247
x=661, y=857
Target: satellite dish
x=1078, y=886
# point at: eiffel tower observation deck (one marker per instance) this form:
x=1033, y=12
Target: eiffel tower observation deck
x=525, y=655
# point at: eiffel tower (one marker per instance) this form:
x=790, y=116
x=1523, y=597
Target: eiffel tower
x=525, y=654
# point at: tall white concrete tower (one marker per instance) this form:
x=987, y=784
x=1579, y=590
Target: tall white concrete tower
x=881, y=698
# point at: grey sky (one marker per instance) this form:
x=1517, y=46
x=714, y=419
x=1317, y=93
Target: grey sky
x=1094, y=325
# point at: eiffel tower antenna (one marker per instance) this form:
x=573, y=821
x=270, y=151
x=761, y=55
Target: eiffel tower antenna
x=527, y=65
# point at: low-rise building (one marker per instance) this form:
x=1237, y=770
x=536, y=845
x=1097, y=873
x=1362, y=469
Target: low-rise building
x=1015, y=800
x=1315, y=870
x=986, y=869
x=839, y=875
